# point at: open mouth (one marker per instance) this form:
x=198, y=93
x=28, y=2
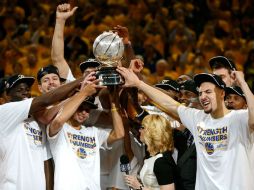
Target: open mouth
x=205, y=104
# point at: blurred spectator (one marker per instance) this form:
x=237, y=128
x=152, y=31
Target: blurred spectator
x=249, y=69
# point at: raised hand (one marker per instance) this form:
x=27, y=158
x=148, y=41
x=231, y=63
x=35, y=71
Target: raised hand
x=238, y=77
x=136, y=65
x=123, y=33
x=64, y=11
x=90, y=88
x=131, y=79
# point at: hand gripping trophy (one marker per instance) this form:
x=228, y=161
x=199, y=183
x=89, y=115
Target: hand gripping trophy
x=108, y=49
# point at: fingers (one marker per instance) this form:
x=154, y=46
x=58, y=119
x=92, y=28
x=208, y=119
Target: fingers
x=66, y=8
x=73, y=10
x=122, y=70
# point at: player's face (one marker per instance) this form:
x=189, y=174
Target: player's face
x=186, y=97
x=89, y=70
x=235, y=102
x=81, y=115
x=20, y=92
x=209, y=97
x=49, y=82
x=225, y=75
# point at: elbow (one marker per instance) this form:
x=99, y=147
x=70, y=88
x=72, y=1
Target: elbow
x=57, y=123
x=55, y=127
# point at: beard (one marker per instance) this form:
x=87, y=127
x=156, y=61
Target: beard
x=208, y=110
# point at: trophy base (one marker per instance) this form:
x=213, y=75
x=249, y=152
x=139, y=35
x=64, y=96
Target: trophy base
x=109, y=76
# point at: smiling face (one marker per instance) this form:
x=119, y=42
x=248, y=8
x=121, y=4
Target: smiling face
x=80, y=116
x=211, y=97
x=49, y=82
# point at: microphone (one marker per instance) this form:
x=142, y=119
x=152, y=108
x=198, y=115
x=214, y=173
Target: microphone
x=125, y=165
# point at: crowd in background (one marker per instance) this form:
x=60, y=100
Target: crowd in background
x=173, y=37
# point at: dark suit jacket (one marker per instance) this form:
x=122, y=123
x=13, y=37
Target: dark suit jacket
x=186, y=169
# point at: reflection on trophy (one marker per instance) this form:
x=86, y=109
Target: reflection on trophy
x=108, y=49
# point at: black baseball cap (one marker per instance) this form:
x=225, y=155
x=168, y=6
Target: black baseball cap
x=48, y=70
x=234, y=90
x=17, y=79
x=208, y=77
x=222, y=60
x=169, y=85
x=189, y=85
x=89, y=63
x=89, y=103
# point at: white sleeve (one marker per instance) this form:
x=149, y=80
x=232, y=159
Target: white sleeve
x=70, y=77
x=12, y=114
x=103, y=135
x=189, y=117
x=54, y=139
x=241, y=119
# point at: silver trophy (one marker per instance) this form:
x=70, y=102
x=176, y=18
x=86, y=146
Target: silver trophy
x=108, y=49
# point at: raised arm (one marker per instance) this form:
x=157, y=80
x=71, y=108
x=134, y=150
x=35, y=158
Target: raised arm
x=41, y=102
x=118, y=130
x=63, y=12
x=239, y=80
x=129, y=52
x=160, y=99
x=70, y=107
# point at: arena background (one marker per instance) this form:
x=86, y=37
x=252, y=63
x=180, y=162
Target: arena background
x=173, y=37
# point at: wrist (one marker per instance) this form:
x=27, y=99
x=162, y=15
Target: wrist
x=114, y=109
x=60, y=19
x=139, y=84
x=127, y=42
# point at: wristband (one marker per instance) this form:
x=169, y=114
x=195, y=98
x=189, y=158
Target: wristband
x=114, y=109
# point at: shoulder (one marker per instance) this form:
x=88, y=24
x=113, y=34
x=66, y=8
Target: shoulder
x=164, y=163
x=164, y=169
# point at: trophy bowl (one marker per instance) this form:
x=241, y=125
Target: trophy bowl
x=108, y=49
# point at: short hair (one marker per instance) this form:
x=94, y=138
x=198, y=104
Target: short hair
x=219, y=65
x=158, y=134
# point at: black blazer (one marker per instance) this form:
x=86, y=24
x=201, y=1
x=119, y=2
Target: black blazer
x=186, y=169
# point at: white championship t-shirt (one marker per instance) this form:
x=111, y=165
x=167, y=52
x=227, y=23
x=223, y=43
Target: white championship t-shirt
x=76, y=156
x=22, y=149
x=223, y=149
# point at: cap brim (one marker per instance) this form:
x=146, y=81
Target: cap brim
x=231, y=90
x=62, y=79
x=222, y=60
x=84, y=65
x=205, y=77
x=90, y=105
x=166, y=87
x=28, y=80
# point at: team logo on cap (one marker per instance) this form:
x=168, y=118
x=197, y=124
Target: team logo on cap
x=164, y=81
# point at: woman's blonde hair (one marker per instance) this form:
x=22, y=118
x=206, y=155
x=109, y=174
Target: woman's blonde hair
x=158, y=134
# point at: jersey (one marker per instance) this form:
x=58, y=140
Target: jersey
x=76, y=156
x=223, y=149
x=22, y=148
